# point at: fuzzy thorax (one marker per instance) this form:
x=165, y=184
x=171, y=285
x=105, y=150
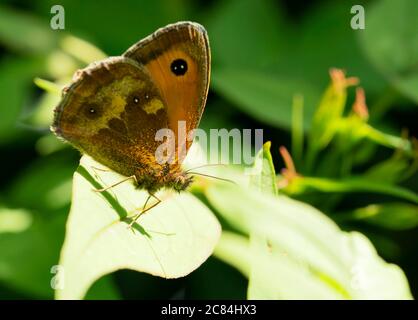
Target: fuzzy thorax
x=175, y=179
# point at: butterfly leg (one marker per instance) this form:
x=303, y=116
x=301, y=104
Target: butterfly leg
x=115, y=184
x=144, y=209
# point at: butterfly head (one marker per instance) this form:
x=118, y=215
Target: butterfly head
x=173, y=178
x=181, y=181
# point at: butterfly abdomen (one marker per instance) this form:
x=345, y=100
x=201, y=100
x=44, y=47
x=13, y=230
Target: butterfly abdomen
x=153, y=180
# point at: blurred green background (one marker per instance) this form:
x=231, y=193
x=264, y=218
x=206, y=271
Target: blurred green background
x=264, y=52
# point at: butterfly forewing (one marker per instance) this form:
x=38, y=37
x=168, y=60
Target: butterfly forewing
x=178, y=60
x=112, y=111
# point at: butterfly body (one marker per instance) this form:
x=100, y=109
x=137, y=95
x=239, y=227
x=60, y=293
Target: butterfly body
x=114, y=108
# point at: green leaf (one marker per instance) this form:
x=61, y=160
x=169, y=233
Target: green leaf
x=330, y=110
x=48, y=86
x=29, y=247
x=327, y=116
x=45, y=185
x=15, y=80
x=14, y=220
x=24, y=32
x=395, y=216
x=352, y=130
x=170, y=241
x=325, y=40
x=301, y=253
x=390, y=40
x=263, y=175
x=391, y=170
x=266, y=97
x=115, y=32
x=81, y=49
x=238, y=44
x=43, y=112
x=275, y=275
x=49, y=144
x=355, y=184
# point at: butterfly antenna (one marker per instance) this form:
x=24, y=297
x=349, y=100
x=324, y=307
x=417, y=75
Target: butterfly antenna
x=206, y=165
x=209, y=176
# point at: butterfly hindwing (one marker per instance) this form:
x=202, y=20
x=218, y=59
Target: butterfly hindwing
x=112, y=111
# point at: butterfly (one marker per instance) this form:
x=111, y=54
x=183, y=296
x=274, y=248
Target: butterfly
x=113, y=109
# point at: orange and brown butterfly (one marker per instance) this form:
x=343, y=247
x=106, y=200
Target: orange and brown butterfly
x=114, y=108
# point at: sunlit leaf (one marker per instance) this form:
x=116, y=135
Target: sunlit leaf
x=170, y=241
x=304, y=254
x=81, y=49
x=14, y=220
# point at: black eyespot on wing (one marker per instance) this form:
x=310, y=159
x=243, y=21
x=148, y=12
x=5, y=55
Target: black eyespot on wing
x=137, y=99
x=179, y=67
x=92, y=111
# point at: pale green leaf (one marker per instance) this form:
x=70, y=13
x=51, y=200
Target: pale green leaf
x=263, y=175
x=170, y=241
x=303, y=249
x=14, y=220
